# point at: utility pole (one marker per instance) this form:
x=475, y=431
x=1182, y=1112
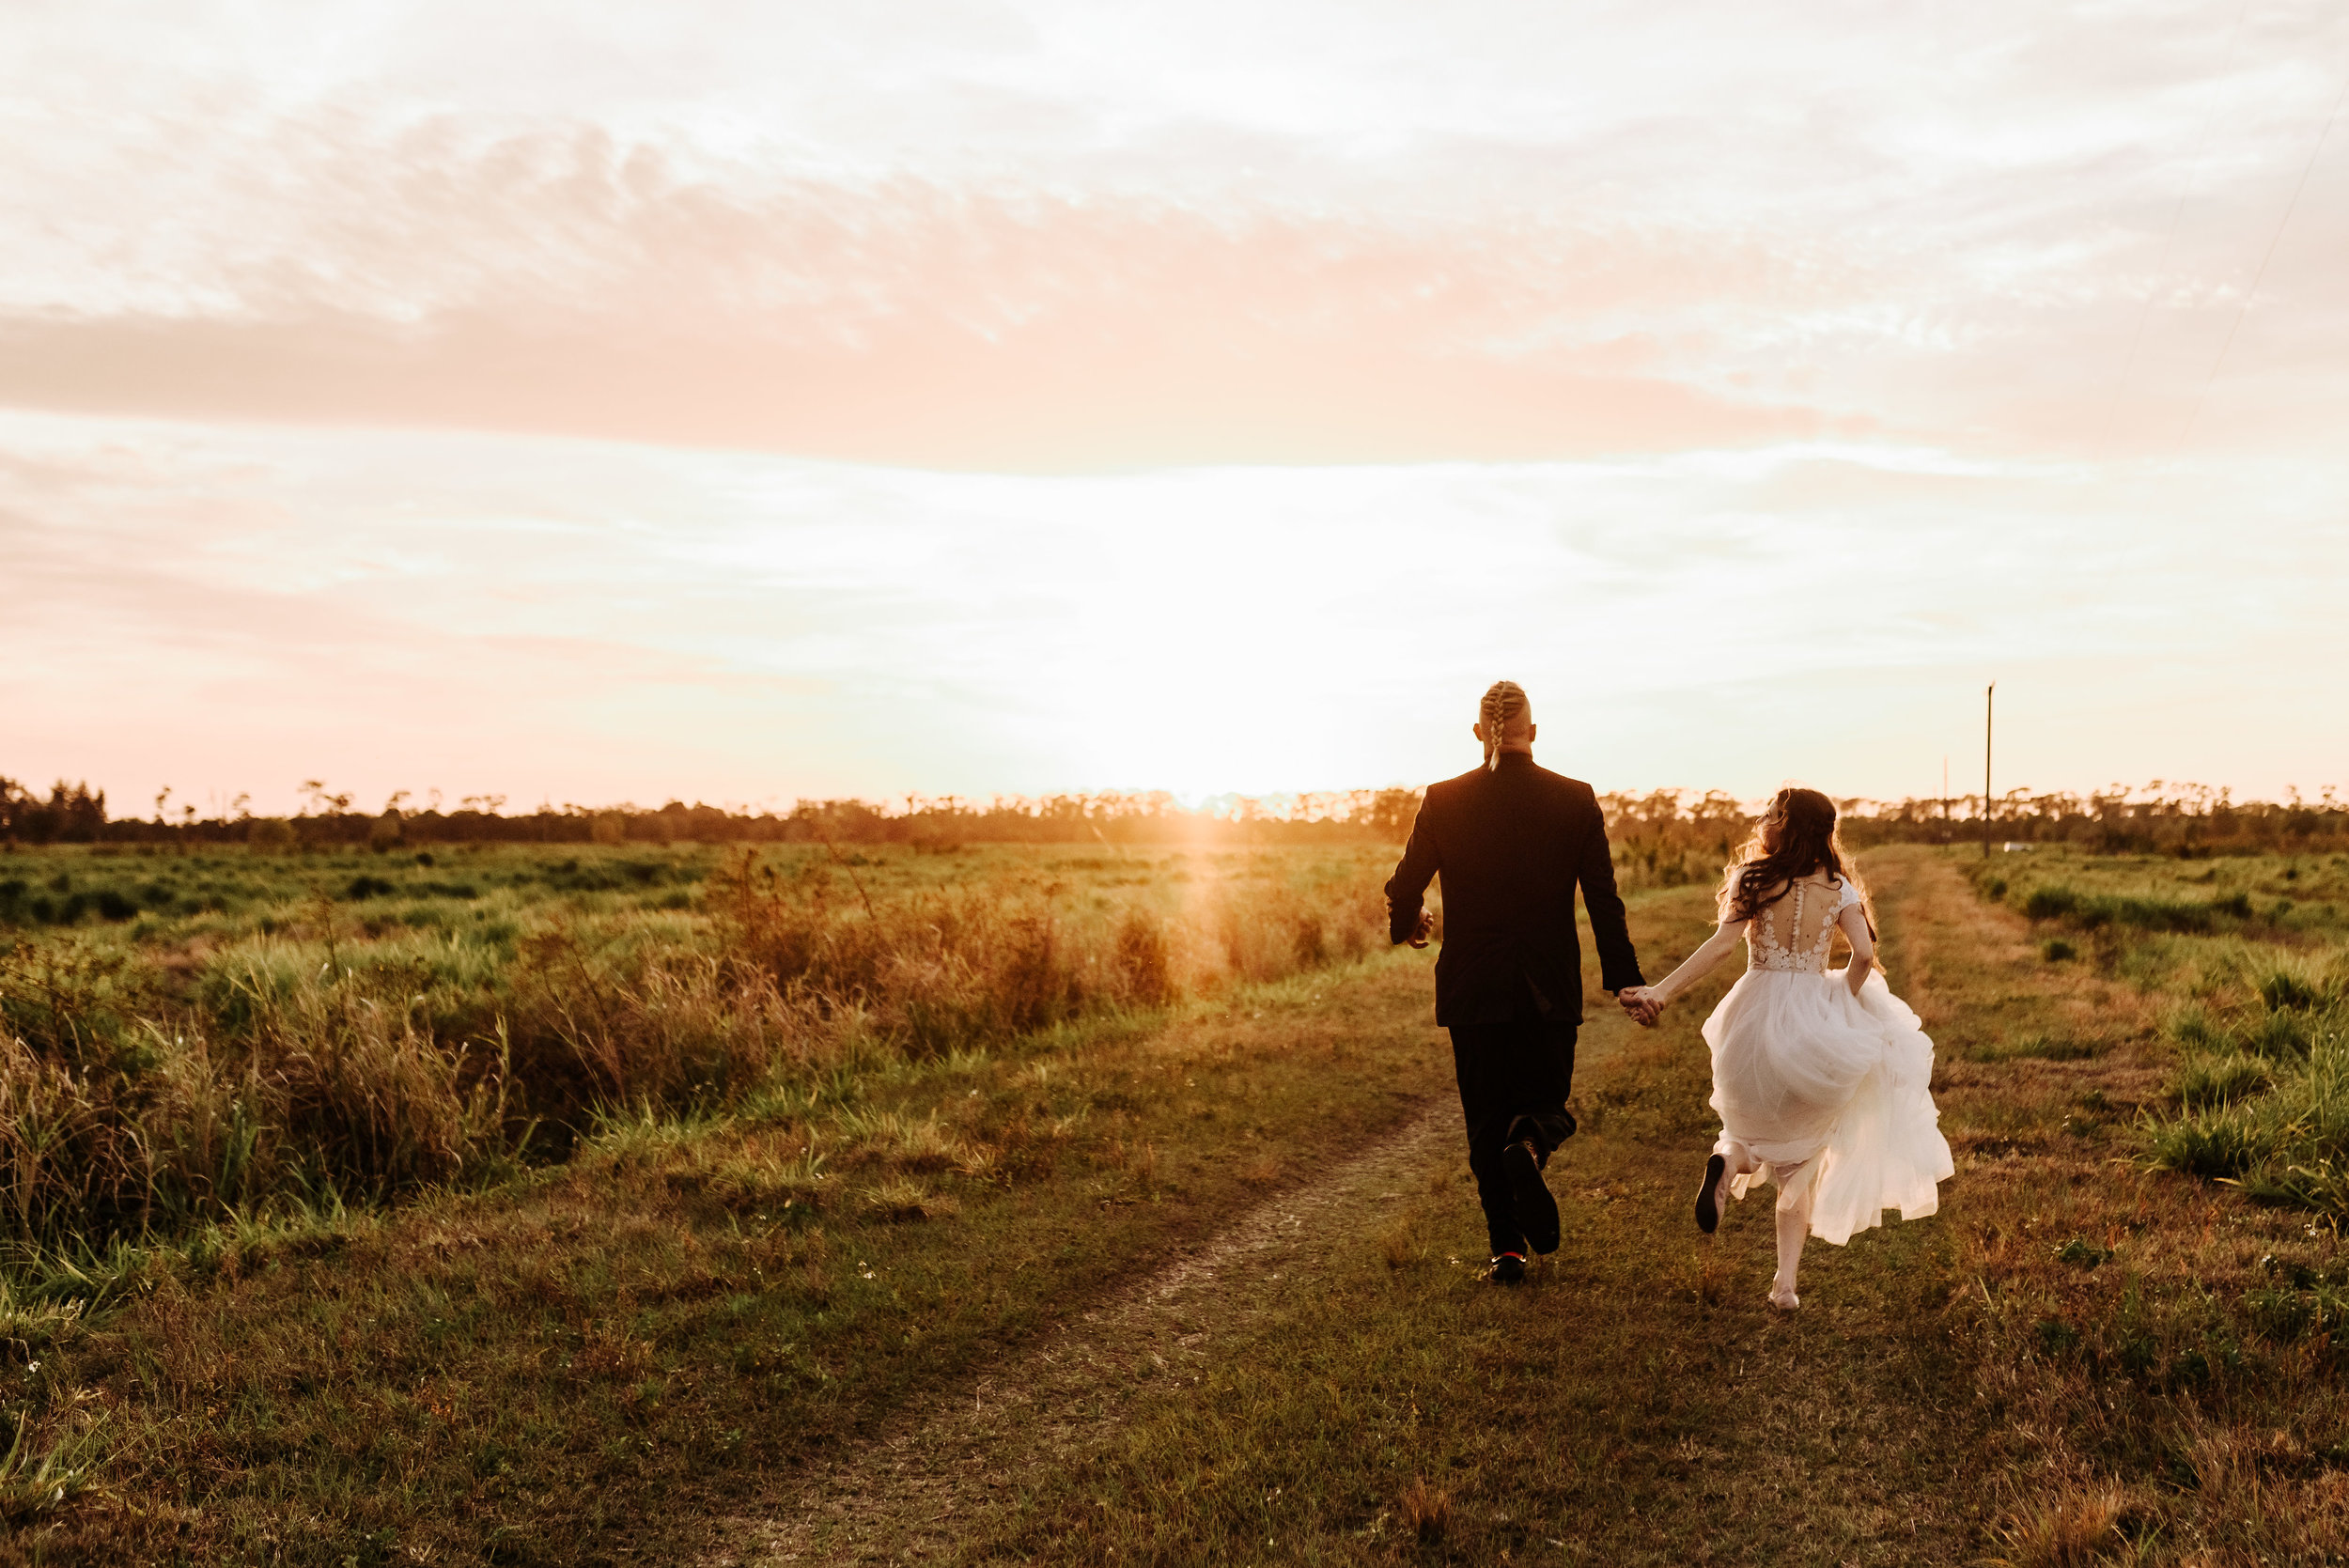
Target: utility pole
x=1945, y=797
x=1989, y=695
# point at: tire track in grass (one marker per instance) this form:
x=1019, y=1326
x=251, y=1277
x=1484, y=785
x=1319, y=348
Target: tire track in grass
x=908, y=1496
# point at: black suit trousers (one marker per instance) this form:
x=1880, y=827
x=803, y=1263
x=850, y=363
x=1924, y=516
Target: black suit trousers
x=1514, y=1078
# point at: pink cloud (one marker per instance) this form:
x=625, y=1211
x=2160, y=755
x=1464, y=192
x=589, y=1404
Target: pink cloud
x=572, y=285
x=1034, y=236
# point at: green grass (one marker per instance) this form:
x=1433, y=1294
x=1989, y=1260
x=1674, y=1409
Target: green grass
x=2080, y=1360
x=355, y=1027
x=545, y=1370
x=2291, y=896
x=2085, y=1357
x=1636, y=1403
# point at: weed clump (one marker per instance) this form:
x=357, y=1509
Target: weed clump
x=1426, y=1510
x=2262, y=1091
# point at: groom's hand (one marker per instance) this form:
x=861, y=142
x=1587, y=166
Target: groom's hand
x=1641, y=1004
x=1425, y=929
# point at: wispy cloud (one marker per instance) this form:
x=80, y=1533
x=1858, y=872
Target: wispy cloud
x=1043, y=236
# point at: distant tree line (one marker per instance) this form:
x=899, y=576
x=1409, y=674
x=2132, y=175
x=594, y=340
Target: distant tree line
x=1672, y=834
x=2160, y=819
x=71, y=814
x=76, y=815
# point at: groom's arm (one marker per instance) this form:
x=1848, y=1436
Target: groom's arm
x=1618, y=964
x=1408, y=887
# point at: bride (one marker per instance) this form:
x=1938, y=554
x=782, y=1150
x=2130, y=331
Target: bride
x=1820, y=1078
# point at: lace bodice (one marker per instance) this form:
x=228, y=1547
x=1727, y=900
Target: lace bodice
x=1793, y=935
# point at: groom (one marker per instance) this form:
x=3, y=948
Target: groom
x=1510, y=840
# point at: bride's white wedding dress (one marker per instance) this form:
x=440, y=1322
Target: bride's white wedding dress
x=1807, y=1075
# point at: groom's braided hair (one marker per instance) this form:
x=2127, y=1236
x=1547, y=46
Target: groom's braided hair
x=1503, y=701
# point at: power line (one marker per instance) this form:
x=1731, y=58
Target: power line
x=2273, y=240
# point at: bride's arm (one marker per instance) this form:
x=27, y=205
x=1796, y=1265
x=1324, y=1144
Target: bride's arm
x=1697, y=965
x=1864, y=947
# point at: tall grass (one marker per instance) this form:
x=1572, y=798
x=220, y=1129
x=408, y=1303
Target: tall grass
x=310, y=1060
x=2264, y=1086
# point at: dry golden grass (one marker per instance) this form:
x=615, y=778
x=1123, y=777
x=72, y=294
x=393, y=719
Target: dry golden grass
x=2080, y=1360
x=1426, y=1511
x=2069, y=1528
x=344, y=1039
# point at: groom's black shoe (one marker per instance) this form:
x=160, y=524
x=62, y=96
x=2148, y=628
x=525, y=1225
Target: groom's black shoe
x=1535, y=1210
x=1709, y=1195
x=1507, y=1269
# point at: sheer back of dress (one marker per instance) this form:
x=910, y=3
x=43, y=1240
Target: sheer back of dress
x=1794, y=933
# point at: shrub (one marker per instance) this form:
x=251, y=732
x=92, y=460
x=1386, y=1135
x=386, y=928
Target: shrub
x=74, y=1003
x=1141, y=959
x=2050, y=903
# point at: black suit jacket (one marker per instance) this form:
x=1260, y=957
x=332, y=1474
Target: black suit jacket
x=1510, y=844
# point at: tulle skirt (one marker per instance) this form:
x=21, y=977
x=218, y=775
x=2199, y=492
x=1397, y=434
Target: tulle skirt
x=1807, y=1075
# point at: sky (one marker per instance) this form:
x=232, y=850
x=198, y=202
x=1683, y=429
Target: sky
x=748, y=402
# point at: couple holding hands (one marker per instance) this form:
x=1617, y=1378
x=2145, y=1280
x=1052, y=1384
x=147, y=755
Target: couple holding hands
x=1820, y=1077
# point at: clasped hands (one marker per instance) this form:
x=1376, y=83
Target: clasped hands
x=1642, y=1003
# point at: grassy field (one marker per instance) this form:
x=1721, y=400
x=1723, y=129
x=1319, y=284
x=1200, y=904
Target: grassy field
x=636, y=1310
x=259, y=1034
x=367, y=1207
x=2084, y=1358
x=2161, y=1320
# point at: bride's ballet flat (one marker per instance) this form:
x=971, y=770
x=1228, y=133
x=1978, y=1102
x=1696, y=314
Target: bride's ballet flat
x=1709, y=1195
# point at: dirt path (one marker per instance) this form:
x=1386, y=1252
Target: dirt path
x=1671, y=1430
x=906, y=1495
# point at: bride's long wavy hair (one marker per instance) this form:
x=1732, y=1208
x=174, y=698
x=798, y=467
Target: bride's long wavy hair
x=1803, y=823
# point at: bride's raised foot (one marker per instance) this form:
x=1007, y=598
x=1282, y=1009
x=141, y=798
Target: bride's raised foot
x=1709, y=1195
x=1783, y=1296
